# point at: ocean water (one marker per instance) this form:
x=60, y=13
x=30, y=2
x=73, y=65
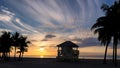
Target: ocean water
x=80, y=57
x=40, y=56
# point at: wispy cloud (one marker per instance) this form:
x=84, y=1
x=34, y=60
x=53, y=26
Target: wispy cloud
x=10, y=21
x=55, y=15
x=64, y=18
x=48, y=36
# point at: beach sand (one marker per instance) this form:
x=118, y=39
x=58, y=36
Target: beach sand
x=52, y=63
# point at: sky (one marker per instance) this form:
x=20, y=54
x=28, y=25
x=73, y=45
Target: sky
x=48, y=23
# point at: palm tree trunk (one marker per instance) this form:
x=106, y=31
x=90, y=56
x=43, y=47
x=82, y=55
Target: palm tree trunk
x=113, y=53
x=15, y=53
x=19, y=57
x=115, y=50
x=22, y=56
x=8, y=55
x=3, y=56
x=116, y=55
x=104, y=62
x=0, y=55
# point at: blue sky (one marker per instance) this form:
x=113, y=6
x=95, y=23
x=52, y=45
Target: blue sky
x=49, y=22
x=68, y=17
x=44, y=16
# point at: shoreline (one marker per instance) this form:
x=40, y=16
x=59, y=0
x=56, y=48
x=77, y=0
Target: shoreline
x=52, y=63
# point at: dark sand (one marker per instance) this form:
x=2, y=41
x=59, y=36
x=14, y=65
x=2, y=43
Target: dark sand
x=52, y=63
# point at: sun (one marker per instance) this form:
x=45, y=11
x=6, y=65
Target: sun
x=42, y=49
x=41, y=56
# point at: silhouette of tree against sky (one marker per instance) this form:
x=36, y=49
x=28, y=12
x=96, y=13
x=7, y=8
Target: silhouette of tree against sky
x=15, y=38
x=5, y=42
x=23, y=44
x=108, y=28
x=9, y=40
x=0, y=49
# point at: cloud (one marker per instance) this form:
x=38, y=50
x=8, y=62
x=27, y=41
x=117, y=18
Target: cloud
x=48, y=37
x=54, y=15
x=74, y=38
x=61, y=17
x=77, y=39
x=89, y=42
x=10, y=21
x=5, y=18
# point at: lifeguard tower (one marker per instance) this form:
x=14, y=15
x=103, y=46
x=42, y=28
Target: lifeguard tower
x=67, y=51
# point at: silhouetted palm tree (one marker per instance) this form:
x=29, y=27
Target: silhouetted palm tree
x=108, y=27
x=104, y=34
x=15, y=39
x=5, y=41
x=0, y=51
x=23, y=44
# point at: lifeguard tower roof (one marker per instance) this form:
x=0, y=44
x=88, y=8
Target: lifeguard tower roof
x=67, y=44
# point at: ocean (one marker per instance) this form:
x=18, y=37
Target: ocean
x=80, y=57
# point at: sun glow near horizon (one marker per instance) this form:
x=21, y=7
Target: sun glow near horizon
x=85, y=52
x=42, y=49
x=50, y=22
